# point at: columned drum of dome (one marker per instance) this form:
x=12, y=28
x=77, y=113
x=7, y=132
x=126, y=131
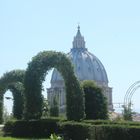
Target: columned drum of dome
x=86, y=66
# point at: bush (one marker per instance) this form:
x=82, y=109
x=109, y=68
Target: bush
x=92, y=130
x=8, y=128
x=33, y=128
x=95, y=101
x=54, y=137
x=115, y=132
x=127, y=113
x=76, y=131
x=109, y=122
x=54, y=109
x=81, y=131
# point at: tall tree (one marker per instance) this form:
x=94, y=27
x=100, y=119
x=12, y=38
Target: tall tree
x=95, y=101
x=127, y=113
x=54, y=109
x=45, y=108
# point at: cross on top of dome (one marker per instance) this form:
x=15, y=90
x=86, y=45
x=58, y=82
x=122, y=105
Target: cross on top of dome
x=78, y=41
x=78, y=32
x=78, y=27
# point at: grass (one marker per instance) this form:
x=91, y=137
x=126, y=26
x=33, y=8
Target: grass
x=9, y=138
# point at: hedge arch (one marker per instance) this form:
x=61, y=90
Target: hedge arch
x=11, y=80
x=35, y=75
x=17, y=90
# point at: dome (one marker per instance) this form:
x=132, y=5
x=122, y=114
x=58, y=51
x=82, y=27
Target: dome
x=86, y=65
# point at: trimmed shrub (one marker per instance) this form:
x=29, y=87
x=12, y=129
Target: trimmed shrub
x=14, y=78
x=72, y=130
x=95, y=101
x=121, y=132
x=35, y=75
x=33, y=128
x=81, y=131
x=76, y=131
x=8, y=128
x=109, y=122
x=54, y=109
x=18, y=102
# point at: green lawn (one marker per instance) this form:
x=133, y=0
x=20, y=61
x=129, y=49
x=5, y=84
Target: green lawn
x=9, y=138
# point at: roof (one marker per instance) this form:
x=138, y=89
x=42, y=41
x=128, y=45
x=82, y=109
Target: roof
x=86, y=65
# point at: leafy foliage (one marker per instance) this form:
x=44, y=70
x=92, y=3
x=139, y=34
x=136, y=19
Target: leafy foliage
x=127, y=113
x=18, y=102
x=6, y=116
x=92, y=130
x=55, y=137
x=35, y=75
x=54, y=109
x=31, y=128
x=95, y=101
x=11, y=78
x=45, y=108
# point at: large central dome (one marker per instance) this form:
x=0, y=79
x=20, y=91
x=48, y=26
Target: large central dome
x=86, y=65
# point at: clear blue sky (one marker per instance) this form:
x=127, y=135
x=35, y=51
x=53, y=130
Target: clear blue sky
x=111, y=29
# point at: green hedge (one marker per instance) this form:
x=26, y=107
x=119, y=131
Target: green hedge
x=74, y=130
x=81, y=131
x=9, y=80
x=109, y=122
x=34, y=77
x=95, y=101
x=33, y=128
x=117, y=132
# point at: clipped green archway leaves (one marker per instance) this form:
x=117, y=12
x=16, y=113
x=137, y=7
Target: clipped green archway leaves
x=34, y=77
x=17, y=90
x=13, y=81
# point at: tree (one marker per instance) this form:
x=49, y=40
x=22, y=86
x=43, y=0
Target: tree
x=45, y=108
x=95, y=101
x=54, y=109
x=6, y=116
x=127, y=112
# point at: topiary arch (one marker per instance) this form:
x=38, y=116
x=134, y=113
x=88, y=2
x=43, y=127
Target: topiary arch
x=35, y=75
x=13, y=81
x=17, y=90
